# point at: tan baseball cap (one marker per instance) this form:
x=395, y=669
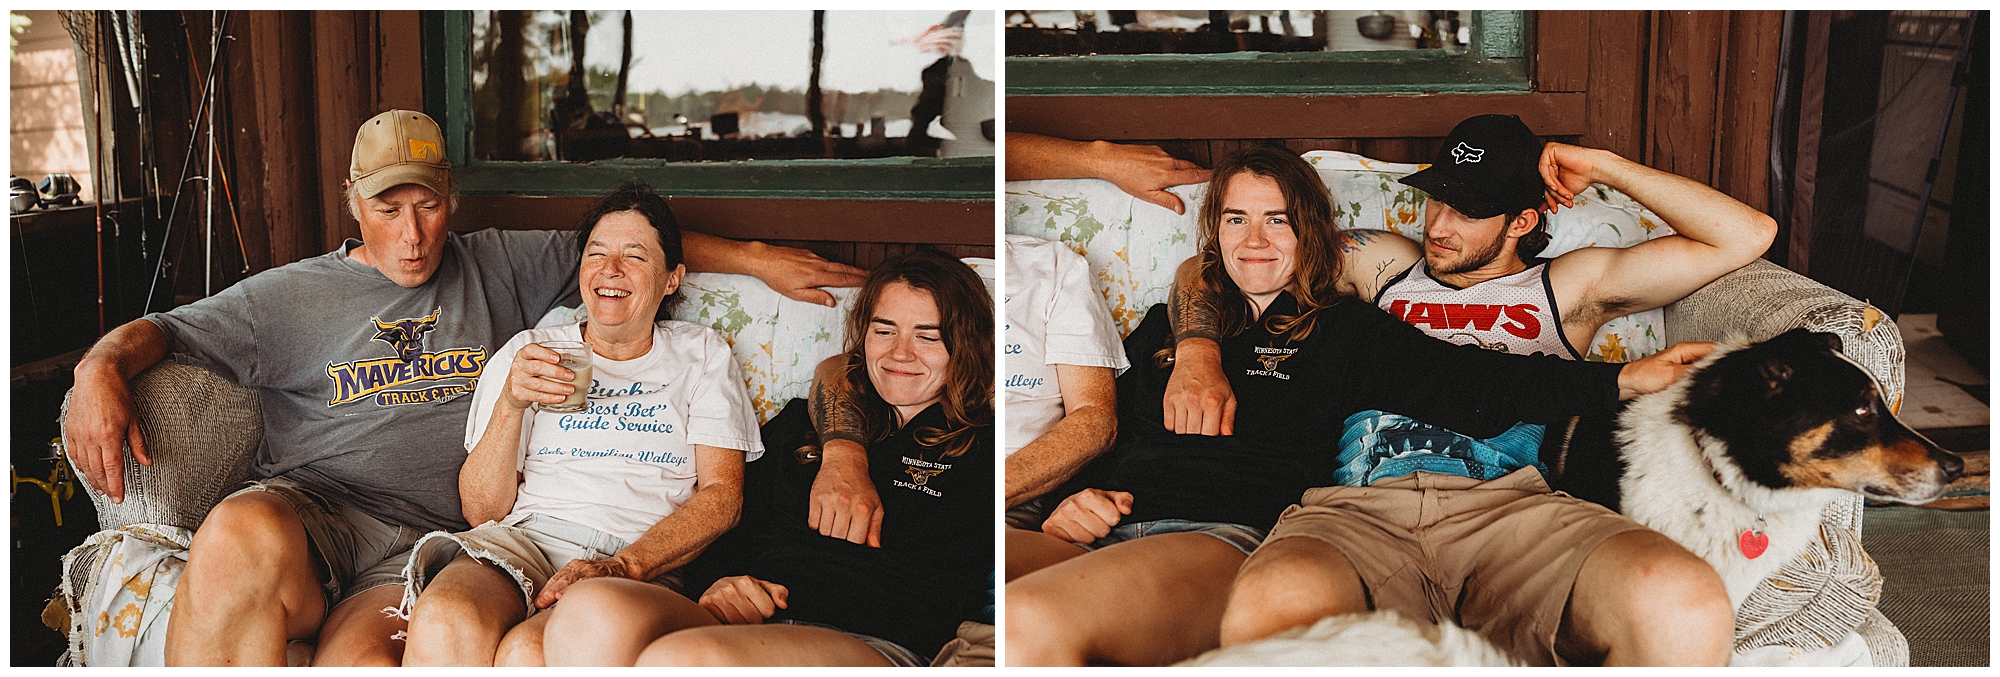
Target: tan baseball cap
x=399, y=147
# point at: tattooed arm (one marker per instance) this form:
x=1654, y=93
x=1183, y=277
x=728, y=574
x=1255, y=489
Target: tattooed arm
x=1370, y=258
x=844, y=504
x=1199, y=399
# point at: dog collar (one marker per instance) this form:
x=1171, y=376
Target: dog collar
x=1752, y=542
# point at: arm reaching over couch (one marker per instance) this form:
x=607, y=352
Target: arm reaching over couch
x=1143, y=171
x=844, y=503
x=795, y=273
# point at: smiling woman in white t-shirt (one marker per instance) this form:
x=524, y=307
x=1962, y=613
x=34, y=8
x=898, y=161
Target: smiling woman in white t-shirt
x=619, y=494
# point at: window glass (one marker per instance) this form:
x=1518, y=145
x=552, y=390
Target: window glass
x=1082, y=32
x=730, y=85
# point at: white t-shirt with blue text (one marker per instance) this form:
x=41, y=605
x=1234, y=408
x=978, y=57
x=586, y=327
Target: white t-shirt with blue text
x=1054, y=316
x=627, y=461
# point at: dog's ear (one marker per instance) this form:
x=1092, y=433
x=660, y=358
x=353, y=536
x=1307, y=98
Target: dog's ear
x=1776, y=374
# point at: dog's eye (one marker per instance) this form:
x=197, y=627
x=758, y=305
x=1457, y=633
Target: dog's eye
x=1865, y=410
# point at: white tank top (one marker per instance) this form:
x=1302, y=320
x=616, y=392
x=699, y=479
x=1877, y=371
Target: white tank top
x=1515, y=314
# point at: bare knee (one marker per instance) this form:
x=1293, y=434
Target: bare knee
x=250, y=529
x=1679, y=594
x=521, y=648
x=450, y=626
x=1292, y=582
x=1038, y=629
x=600, y=622
x=592, y=607
x=1660, y=605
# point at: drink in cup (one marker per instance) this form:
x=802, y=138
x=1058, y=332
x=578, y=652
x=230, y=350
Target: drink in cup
x=576, y=358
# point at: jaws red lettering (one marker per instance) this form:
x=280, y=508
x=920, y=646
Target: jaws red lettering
x=1481, y=317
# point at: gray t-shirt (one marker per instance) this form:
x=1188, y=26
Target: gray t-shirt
x=364, y=384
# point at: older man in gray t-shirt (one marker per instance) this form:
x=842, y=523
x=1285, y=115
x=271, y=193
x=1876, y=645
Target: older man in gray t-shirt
x=363, y=358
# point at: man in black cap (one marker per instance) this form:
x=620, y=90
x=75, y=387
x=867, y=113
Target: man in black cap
x=1548, y=577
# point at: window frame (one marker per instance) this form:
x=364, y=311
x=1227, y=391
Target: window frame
x=448, y=64
x=1496, y=62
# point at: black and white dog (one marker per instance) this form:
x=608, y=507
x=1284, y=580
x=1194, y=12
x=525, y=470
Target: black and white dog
x=1736, y=460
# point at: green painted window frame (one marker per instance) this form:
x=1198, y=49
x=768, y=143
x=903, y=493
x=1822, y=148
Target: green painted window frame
x=448, y=60
x=1497, y=61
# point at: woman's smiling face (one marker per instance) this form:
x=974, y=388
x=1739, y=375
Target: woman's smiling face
x=1259, y=248
x=624, y=275
x=905, y=352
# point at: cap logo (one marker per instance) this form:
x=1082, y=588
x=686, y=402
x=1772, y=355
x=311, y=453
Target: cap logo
x=421, y=149
x=1462, y=153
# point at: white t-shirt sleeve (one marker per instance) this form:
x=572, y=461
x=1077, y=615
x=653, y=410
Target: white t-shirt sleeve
x=1079, y=324
x=492, y=380
x=719, y=415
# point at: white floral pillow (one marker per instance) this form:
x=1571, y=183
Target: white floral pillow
x=1133, y=247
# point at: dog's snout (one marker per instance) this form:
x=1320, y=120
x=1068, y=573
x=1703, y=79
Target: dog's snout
x=1951, y=464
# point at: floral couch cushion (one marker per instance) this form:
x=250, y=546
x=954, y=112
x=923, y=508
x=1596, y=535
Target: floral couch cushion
x=1134, y=246
x=776, y=341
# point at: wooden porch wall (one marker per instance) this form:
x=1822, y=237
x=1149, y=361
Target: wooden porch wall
x=1684, y=91
x=300, y=82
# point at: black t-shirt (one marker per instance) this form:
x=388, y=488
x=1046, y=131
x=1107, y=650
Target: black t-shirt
x=936, y=559
x=1292, y=398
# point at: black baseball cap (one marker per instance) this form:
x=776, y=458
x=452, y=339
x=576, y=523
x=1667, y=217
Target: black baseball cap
x=1486, y=168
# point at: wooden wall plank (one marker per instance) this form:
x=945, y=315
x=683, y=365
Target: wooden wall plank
x=969, y=223
x=1563, y=42
x=1284, y=117
x=1747, y=97
x=342, y=95
x=279, y=134
x=1418, y=150
x=399, y=60
x=1616, y=102
x=1681, y=96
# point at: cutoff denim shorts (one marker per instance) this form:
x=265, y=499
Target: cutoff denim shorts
x=1243, y=538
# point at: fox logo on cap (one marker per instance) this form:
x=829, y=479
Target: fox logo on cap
x=421, y=149
x=1464, y=153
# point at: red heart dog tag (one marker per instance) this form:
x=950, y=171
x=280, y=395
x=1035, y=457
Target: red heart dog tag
x=1753, y=543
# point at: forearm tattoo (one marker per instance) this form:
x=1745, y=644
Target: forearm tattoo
x=835, y=413
x=1190, y=318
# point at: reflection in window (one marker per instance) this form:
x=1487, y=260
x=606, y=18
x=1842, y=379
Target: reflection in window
x=730, y=85
x=1048, y=32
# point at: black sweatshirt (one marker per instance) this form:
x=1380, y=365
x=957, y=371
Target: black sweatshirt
x=936, y=559
x=1292, y=398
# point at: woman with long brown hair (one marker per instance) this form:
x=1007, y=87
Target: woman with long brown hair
x=919, y=360
x=1137, y=571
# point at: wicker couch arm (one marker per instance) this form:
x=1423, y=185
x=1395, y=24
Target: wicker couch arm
x=1762, y=300
x=201, y=432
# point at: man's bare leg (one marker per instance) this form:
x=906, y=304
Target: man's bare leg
x=1287, y=583
x=250, y=585
x=461, y=616
x=1642, y=599
x=359, y=633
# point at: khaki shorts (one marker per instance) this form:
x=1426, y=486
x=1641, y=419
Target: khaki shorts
x=354, y=551
x=1496, y=557
x=528, y=551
